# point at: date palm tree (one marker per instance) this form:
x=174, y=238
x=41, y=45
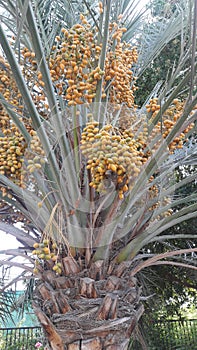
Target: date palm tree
x=88, y=177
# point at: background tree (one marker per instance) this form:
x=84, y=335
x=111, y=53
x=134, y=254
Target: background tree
x=161, y=67
x=158, y=70
x=179, y=287
x=90, y=177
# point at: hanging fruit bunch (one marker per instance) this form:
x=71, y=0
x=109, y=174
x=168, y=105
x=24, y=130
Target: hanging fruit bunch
x=13, y=145
x=118, y=68
x=74, y=64
x=168, y=121
x=47, y=252
x=34, y=155
x=34, y=82
x=113, y=155
x=12, y=142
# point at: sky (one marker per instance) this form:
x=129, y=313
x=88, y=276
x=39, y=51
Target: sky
x=9, y=242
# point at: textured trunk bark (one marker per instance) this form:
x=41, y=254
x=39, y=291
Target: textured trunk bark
x=113, y=335
x=89, y=309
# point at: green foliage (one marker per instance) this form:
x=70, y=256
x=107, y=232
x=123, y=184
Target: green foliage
x=162, y=66
x=158, y=71
x=162, y=335
x=175, y=288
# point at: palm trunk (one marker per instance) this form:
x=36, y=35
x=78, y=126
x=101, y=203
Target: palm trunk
x=88, y=310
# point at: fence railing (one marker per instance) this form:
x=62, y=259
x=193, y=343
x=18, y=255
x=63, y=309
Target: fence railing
x=159, y=335
x=168, y=335
x=23, y=338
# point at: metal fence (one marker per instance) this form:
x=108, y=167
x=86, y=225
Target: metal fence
x=23, y=338
x=168, y=335
x=159, y=335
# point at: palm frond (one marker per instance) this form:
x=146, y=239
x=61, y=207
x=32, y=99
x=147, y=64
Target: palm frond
x=20, y=235
x=58, y=199
x=156, y=260
x=159, y=34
